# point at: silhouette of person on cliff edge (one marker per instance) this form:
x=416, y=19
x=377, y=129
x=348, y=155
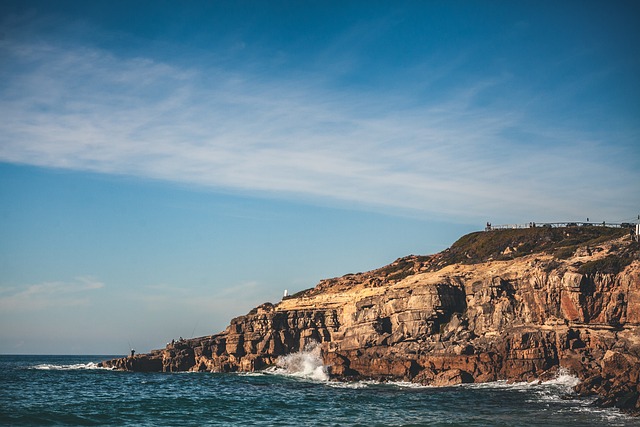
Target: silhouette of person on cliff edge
x=133, y=352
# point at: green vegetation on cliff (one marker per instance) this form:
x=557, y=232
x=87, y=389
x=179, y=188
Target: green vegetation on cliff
x=509, y=244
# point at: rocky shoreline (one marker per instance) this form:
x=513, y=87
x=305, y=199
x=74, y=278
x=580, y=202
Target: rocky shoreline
x=514, y=305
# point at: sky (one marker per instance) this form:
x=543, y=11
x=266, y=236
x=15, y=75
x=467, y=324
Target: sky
x=167, y=166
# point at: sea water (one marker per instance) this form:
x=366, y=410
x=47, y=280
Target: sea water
x=73, y=390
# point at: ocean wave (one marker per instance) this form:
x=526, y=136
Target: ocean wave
x=306, y=364
x=253, y=374
x=612, y=416
x=375, y=383
x=562, y=384
x=408, y=384
x=69, y=367
x=348, y=384
x=563, y=380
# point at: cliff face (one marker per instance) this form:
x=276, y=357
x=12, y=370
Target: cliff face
x=517, y=305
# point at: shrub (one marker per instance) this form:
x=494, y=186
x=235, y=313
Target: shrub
x=611, y=264
x=564, y=252
x=562, y=242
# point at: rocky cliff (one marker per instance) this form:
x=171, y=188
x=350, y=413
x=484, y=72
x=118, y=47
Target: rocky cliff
x=512, y=304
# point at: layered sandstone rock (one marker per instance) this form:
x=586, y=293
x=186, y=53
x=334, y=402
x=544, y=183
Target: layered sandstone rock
x=469, y=314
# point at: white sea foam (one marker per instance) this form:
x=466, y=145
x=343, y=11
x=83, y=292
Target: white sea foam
x=72, y=367
x=349, y=384
x=407, y=384
x=376, y=383
x=252, y=374
x=563, y=380
x=611, y=416
x=356, y=384
x=306, y=364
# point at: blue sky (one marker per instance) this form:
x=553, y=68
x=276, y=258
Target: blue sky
x=165, y=167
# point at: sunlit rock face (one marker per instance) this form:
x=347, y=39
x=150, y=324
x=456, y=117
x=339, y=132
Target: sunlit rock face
x=515, y=305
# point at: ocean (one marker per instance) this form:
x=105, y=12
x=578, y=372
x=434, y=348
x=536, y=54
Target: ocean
x=72, y=390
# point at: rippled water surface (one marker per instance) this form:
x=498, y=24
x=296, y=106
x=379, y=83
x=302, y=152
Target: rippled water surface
x=71, y=390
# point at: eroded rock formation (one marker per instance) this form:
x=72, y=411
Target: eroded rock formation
x=515, y=305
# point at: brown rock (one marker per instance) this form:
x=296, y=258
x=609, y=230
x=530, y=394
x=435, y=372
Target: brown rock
x=441, y=320
x=452, y=377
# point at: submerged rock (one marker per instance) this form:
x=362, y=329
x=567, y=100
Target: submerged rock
x=473, y=313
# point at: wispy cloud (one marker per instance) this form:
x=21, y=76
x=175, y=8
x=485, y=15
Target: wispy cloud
x=84, y=108
x=49, y=294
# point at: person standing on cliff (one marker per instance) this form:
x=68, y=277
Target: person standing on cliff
x=133, y=352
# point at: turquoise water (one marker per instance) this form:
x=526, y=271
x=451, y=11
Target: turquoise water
x=71, y=390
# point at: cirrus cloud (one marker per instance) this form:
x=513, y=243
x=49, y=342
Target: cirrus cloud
x=84, y=108
x=49, y=294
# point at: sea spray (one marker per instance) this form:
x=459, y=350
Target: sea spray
x=306, y=363
x=564, y=378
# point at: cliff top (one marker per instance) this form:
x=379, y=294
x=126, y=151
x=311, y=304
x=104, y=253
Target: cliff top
x=555, y=245
x=504, y=245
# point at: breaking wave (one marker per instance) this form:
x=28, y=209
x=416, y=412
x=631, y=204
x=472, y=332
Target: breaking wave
x=306, y=364
x=70, y=367
x=564, y=378
x=561, y=385
x=563, y=381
